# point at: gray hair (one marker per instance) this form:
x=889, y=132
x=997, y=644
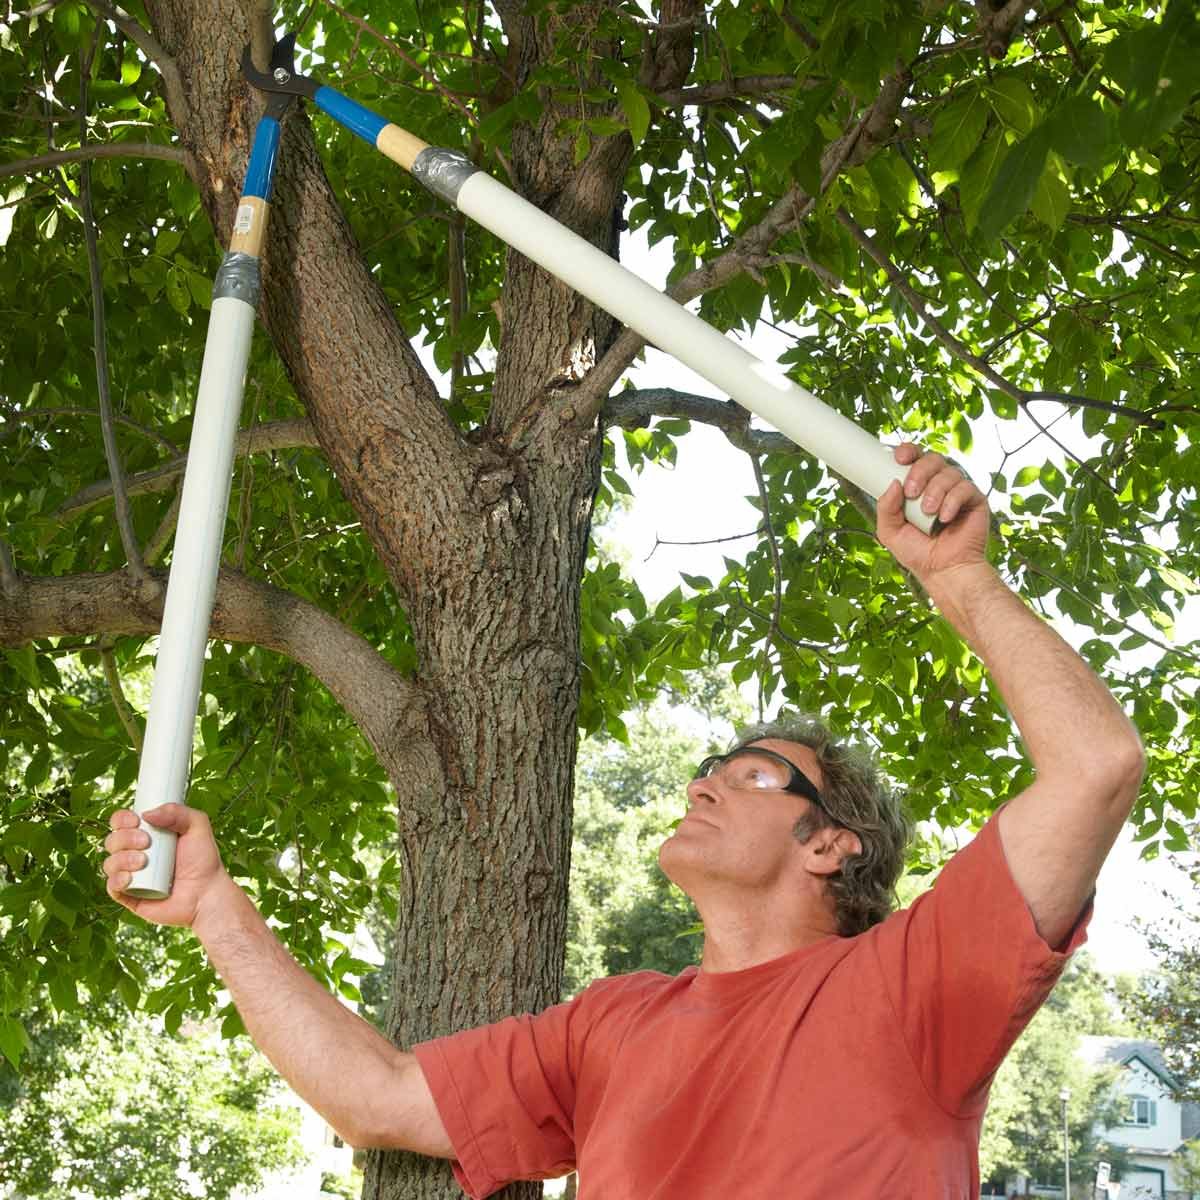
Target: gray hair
x=855, y=795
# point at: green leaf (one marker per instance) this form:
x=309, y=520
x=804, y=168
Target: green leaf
x=1177, y=581
x=1013, y=101
x=1051, y=200
x=25, y=661
x=14, y=1041
x=957, y=129
x=637, y=111
x=1155, y=67
x=1015, y=183
x=1080, y=131
x=129, y=991
x=178, y=292
x=1051, y=478
x=977, y=177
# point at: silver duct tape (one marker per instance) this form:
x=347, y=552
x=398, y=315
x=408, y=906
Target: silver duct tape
x=238, y=276
x=442, y=171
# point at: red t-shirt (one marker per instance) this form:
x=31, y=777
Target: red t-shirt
x=854, y=1067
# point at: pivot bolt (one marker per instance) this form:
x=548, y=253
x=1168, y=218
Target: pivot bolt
x=281, y=76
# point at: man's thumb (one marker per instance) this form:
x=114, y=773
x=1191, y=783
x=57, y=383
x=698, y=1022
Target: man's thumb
x=889, y=509
x=178, y=818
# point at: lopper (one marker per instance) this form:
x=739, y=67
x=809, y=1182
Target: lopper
x=760, y=387
x=192, y=583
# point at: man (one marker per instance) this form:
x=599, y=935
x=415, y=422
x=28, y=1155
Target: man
x=820, y=1049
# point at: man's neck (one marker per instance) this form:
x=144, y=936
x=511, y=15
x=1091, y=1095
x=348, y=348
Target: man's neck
x=740, y=938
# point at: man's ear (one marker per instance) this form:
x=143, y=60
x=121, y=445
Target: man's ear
x=830, y=846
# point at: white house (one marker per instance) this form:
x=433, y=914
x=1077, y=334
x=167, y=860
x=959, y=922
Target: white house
x=1156, y=1125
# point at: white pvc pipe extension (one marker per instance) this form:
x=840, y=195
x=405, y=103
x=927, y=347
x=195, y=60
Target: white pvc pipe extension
x=167, y=750
x=761, y=387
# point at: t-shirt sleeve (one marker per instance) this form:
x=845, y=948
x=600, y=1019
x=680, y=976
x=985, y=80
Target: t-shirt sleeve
x=506, y=1095
x=966, y=969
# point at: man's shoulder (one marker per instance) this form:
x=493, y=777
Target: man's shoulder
x=629, y=990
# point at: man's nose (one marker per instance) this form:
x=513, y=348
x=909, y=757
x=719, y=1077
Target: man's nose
x=702, y=791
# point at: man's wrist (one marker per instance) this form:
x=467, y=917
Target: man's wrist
x=218, y=909
x=958, y=592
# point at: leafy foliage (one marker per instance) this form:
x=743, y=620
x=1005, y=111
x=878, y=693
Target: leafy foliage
x=624, y=914
x=1039, y=196
x=1168, y=1000
x=1023, y=1130
x=114, y=1109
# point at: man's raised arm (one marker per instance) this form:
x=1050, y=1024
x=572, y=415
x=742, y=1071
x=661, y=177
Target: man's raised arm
x=1057, y=833
x=370, y=1092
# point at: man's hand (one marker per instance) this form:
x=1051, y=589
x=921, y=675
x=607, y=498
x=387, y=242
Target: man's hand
x=945, y=492
x=200, y=877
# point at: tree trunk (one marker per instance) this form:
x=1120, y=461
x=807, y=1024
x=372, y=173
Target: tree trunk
x=483, y=536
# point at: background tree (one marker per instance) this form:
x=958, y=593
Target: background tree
x=1023, y=1130
x=957, y=211
x=624, y=914
x=115, y=1110
x=1168, y=1000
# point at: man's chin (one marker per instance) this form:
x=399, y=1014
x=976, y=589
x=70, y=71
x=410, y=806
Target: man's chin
x=677, y=860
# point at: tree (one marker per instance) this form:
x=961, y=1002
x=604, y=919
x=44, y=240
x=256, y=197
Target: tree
x=624, y=914
x=955, y=209
x=1023, y=1129
x=128, y=1114
x=1168, y=1000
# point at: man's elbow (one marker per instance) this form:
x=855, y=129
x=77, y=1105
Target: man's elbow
x=1126, y=766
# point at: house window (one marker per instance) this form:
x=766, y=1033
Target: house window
x=1142, y=1111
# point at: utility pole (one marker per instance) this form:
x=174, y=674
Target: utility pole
x=1064, y=1096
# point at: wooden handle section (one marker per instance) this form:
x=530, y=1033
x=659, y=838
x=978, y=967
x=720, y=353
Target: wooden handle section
x=249, y=226
x=399, y=145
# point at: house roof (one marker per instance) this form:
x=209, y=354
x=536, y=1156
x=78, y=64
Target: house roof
x=1122, y=1051
x=1102, y=1051
x=1191, y=1120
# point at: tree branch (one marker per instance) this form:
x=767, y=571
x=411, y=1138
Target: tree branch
x=9, y=579
x=166, y=527
x=30, y=415
x=961, y=351
x=275, y=435
x=777, y=566
x=998, y=23
x=120, y=702
x=112, y=453
x=39, y=162
x=634, y=409
x=388, y=708
x=743, y=85
x=855, y=146
x=150, y=46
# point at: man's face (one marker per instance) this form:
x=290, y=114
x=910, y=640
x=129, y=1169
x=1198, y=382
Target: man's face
x=738, y=834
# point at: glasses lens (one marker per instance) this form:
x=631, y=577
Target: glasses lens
x=747, y=770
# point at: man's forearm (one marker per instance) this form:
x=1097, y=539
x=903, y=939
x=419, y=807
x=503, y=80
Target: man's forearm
x=330, y=1056
x=1068, y=719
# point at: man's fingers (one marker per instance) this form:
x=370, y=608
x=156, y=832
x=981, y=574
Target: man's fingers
x=921, y=473
x=126, y=839
x=962, y=495
x=124, y=863
x=123, y=818
x=116, y=889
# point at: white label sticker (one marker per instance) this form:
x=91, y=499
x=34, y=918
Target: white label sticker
x=245, y=218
